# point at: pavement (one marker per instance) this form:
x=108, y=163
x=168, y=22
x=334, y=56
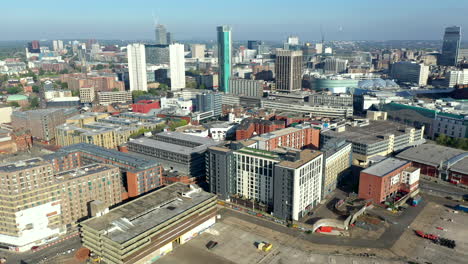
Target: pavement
x=39, y=256
x=442, y=189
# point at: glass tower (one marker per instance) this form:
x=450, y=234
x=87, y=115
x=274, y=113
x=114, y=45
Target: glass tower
x=450, y=46
x=224, y=57
x=160, y=34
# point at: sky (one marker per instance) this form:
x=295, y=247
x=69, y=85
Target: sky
x=250, y=19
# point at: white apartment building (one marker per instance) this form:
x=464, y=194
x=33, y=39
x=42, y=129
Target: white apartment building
x=137, y=67
x=177, y=66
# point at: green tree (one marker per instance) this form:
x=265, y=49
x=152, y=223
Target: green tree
x=13, y=90
x=442, y=139
x=41, y=72
x=34, y=102
x=163, y=86
x=14, y=104
x=64, y=71
x=136, y=94
x=99, y=67
x=36, y=88
x=191, y=85
x=75, y=93
x=115, y=89
x=64, y=85
x=202, y=86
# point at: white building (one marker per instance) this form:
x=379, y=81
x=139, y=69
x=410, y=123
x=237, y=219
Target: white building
x=177, y=66
x=453, y=78
x=328, y=50
x=198, y=51
x=218, y=131
x=137, y=67
x=293, y=40
x=57, y=45
x=319, y=48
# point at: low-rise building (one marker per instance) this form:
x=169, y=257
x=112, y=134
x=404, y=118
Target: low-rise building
x=441, y=162
x=298, y=137
x=382, y=182
x=87, y=94
x=107, y=98
x=372, y=138
x=149, y=227
x=245, y=87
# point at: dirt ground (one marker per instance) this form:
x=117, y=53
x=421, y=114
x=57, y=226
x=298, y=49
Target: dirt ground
x=423, y=250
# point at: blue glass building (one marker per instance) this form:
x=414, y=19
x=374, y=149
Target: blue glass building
x=450, y=46
x=224, y=57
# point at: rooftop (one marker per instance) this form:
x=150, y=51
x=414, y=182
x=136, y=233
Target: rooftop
x=170, y=147
x=83, y=171
x=186, y=137
x=258, y=152
x=304, y=157
x=385, y=167
x=369, y=134
x=147, y=212
x=21, y=165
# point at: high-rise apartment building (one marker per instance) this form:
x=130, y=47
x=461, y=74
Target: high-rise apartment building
x=57, y=45
x=224, y=57
x=288, y=67
x=34, y=46
x=209, y=101
x=177, y=66
x=30, y=198
x=161, y=34
x=198, y=51
x=137, y=67
x=410, y=71
x=450, y=46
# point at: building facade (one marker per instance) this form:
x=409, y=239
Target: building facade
x=107, y=98
x=337, y=163
x=224, y=57
x=137, y=67
x=450, y=46
x=253, y=88
x=288, y=70
x=177, y=66
x=410, y=71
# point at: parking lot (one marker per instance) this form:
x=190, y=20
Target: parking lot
x=454, y=227
x=236, y=244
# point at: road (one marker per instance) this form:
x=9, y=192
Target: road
x=388, y=238
x=37, y=257
x=442, y=189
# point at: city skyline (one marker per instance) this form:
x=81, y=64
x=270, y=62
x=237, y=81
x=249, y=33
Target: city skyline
x=340, y=20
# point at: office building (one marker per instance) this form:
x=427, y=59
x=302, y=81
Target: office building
x=455, y=78
x=252, y=88
x=296, y=106
x=224, y=57
x=208, y=81
x=288, y=182
x=198, y=51
x=337, y=164
x=57, y=45
x=87, y=94
x=293, y=40
x=85, y=184
x=381, y=182
x=177, y=66
x=288, y=69
x=160, y=33
x=451, y=125
x=335, y=65
x=376, y=138
x=331, y=99
x=42, y=122
x=209, y=102
x=108, y=98
x=34, y=47
x=31, y=211
x=410, y=72
x=137, y=67
x=250, y=127
x=156, y=54
x=145, y=229
x=450, y=46
x=175, y=151
x=440, y=162
x=319, y=48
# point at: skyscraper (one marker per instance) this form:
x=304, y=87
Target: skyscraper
x=253, y=44
x=450, y=46
x=57, y=45
x=335, y=65
x=177, y=66
x=34, y=47
x=161, y=34
x=137, y=67
x=224, y=57
x=288, y=68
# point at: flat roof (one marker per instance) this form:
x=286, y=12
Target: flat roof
x=145, y=213
x=170, y=147
x=21, y=165
x=276, y=133
x=369, y=134
x=385, y=167
x=305, y=156
x=429, y=154
x=83, y=171
x=186, y=137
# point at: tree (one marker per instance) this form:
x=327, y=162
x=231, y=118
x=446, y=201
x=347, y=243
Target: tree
x=64, y=71
x=13, y=90
x=36, y=88
x=34, y=102
x=138, y=93
x=115, y=89
x=41, y=72
x=191, y=85
x=442, y=139
x=14, y=104
x=202, y=86
x=99, y=67
x=163, y=86
x=64, y=85
x=75, y=93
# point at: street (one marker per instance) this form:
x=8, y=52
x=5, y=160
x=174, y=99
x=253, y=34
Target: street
x=442, y=189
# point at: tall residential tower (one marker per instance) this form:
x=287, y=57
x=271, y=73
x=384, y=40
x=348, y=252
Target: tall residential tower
x=224, y=57
x=450, y=46
x=137, y=67
x=177, y=66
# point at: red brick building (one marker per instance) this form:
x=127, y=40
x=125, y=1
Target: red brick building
x=440, y=162
x=248, y=127
x=298, y=137
x=144, y=106
x=383, y=181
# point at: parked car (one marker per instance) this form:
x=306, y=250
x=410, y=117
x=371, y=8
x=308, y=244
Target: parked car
x=212, y=244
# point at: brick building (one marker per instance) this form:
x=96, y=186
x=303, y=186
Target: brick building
x=144, y=106
x=383, y=181
x=298, y=137
x=248, y=127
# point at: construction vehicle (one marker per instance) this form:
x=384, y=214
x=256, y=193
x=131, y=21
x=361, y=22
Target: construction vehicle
x=436, y=239
x=264, y=246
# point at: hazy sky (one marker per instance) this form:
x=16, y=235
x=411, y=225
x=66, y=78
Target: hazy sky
x=250, y=19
